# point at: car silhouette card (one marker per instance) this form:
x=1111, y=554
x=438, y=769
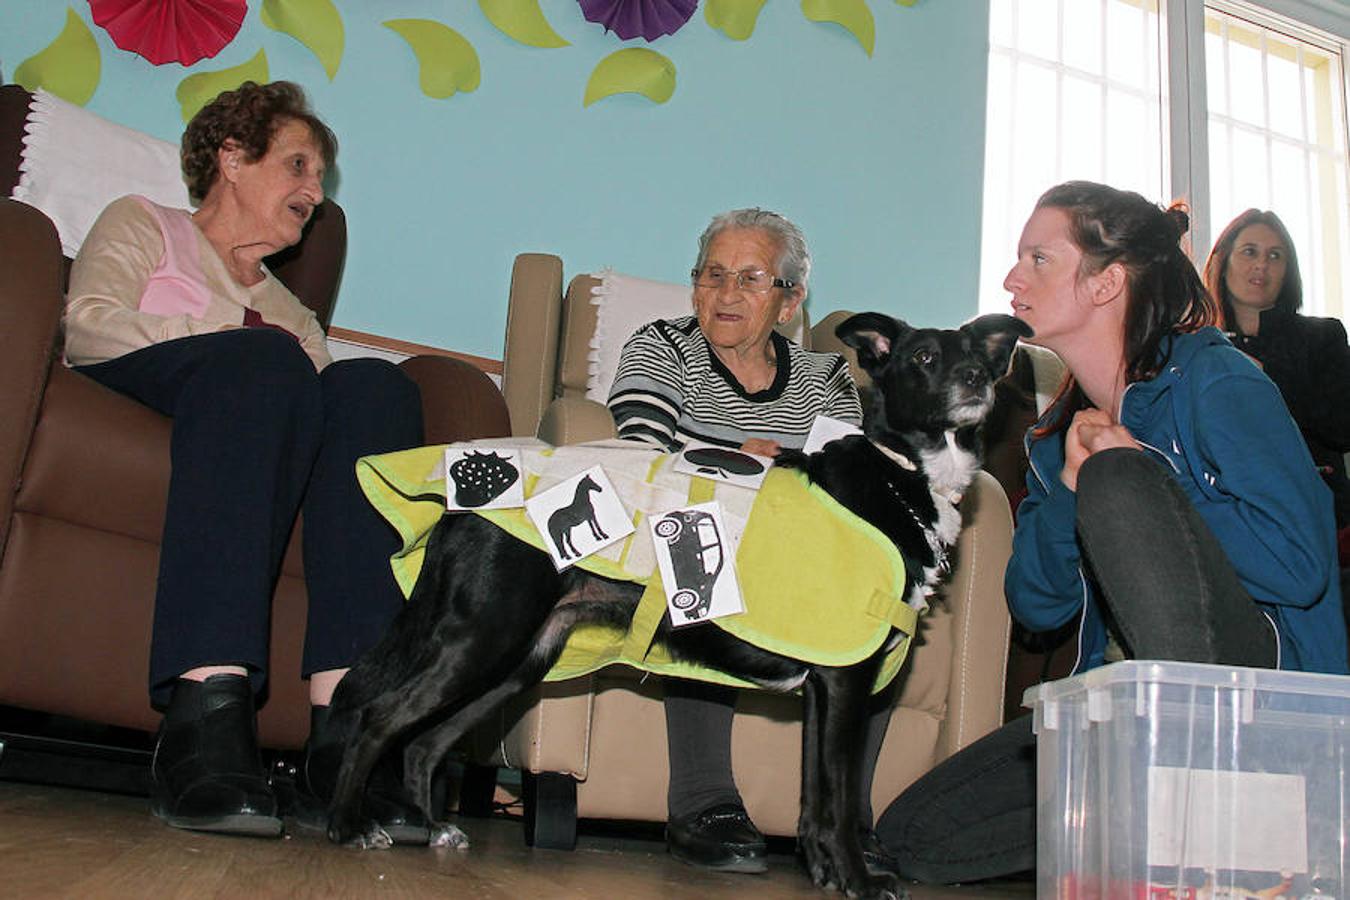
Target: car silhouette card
x=579, y=516
x=483, y=478
x=825, y=429
x=723, y=464
x=696, y=560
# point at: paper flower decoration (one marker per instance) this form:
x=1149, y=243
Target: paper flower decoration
x=165, y=31
x=647, y=19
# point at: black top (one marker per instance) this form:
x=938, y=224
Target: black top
x=1309, y=360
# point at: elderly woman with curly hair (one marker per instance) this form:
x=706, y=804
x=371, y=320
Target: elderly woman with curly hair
x=178, y=310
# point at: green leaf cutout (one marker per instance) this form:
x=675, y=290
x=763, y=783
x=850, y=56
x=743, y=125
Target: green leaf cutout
x=906, y=2
x=446, y=61
x=851, y=14
x=524, y=21
x=68, y=67
x=734, y=18
x=314, y=23
x=634, y=70
x=195, y=91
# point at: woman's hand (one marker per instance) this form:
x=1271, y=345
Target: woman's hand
x=761, y=447
x=1091, y=431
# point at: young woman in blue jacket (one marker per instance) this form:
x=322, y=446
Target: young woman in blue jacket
x=1173, y=510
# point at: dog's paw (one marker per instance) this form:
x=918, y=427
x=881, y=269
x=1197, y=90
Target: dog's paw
x=877, y=887
x=449, y=836
x=791, y=459
x=819, y=865
x=364, y=835
x=373, y=838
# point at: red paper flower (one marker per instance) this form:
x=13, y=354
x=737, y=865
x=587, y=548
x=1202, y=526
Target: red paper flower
x=165, y=31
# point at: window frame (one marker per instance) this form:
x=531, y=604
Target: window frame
x=1187, y=119
x=1184, y=125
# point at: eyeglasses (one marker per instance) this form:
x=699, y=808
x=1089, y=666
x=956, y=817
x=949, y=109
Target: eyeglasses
x=756, y=281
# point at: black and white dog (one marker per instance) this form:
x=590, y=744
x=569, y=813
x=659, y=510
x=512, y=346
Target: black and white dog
x=489, y=614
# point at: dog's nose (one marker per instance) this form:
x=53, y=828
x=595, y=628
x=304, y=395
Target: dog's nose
x=973, y=377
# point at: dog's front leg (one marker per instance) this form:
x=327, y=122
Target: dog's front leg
x=835, y=777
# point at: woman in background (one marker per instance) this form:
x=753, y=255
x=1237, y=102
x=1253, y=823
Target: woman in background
x=1253, y=272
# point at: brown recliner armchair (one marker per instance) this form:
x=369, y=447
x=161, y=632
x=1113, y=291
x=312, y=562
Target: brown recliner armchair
x=84, y=476
x=595, y=746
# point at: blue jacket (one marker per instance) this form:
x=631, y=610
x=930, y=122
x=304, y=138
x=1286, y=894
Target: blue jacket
x=1218, y=424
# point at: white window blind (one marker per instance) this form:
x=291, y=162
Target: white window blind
x=1246, y=108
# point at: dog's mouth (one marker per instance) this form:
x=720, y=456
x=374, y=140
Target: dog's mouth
x=971, y=408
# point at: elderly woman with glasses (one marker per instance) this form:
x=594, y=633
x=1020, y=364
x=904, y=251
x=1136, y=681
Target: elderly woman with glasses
x=724, y=376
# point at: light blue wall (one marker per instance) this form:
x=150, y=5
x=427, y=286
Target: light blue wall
x=878, y=159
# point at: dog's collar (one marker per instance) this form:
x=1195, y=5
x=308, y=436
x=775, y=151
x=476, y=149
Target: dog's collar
x=904, y=462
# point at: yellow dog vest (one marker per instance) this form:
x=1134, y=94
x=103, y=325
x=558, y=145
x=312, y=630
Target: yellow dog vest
x=818, y=583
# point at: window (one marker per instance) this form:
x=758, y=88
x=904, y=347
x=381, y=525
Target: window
x=1277, y=131
x=1229, y=106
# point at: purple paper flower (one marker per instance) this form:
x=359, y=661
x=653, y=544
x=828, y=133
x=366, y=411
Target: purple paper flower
x=648, y=19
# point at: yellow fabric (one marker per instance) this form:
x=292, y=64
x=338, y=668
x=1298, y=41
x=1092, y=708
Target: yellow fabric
x=818, y=583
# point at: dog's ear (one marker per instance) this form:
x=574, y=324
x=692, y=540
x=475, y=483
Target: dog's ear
x=997, y=335
x=872, y=335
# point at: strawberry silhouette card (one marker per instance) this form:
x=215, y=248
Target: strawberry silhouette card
x=579, y=516
x=483, y=478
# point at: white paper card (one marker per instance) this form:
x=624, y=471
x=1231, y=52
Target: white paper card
x=579, y=516
x=1209, y=819
x=825, y=429
x=483, y=478
x=696, y=559
x=723, y=464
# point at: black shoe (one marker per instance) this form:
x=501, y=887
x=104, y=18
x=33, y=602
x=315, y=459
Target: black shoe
x=386, y=801
x=721, y=837
x=879, y=861
x=206, y=774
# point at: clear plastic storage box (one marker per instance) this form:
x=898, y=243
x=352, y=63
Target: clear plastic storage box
x=1176, y=780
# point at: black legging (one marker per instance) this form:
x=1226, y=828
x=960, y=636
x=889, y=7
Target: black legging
x=698, y=740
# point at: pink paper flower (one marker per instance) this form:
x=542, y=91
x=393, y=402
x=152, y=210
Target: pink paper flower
x=165, y=31
x=648, y=19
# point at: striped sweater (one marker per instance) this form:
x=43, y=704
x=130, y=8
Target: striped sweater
x=671, y=388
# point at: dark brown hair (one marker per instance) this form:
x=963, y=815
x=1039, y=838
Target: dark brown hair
x=1164, y=292
x=1290, y=297
x=249, y=115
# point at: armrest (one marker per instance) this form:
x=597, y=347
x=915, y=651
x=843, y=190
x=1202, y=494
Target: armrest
x=530, y=356
x=575, y=420
x=459, y=402
x=981, y=625
x=30, y=319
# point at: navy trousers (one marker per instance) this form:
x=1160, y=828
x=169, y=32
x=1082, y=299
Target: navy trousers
x=259, y=435
x=1172, y=594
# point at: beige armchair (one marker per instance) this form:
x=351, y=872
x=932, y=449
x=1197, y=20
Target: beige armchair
x=595, y=746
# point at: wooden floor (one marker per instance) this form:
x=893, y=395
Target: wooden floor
x=58, y=842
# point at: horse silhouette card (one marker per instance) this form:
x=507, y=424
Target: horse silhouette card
x=483, y=478
x=723, y=464
x=696, y=559
x=579, y=516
